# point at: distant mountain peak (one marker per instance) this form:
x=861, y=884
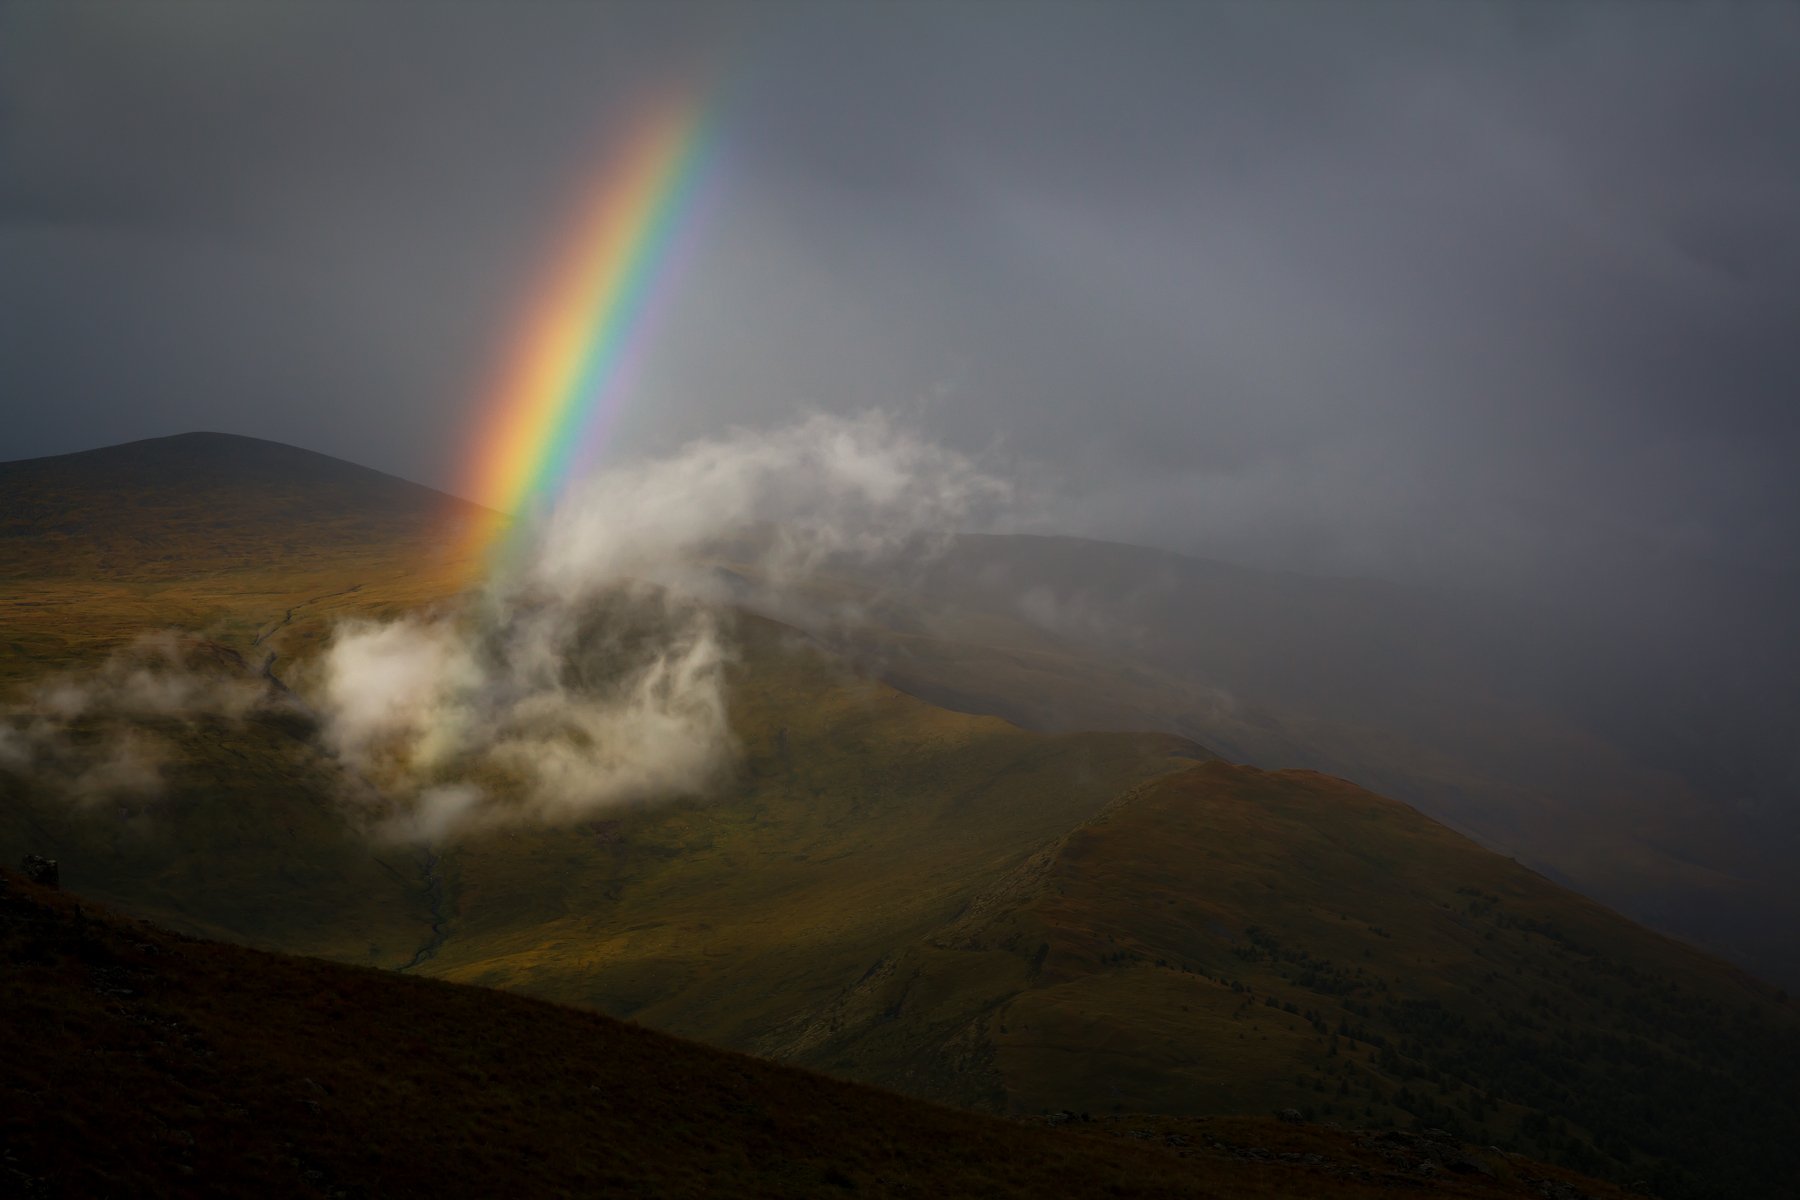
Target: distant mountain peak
x=209, y=499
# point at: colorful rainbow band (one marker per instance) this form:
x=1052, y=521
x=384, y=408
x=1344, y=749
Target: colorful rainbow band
x=571, y=364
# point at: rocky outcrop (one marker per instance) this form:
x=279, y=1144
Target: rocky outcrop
x=41, y=871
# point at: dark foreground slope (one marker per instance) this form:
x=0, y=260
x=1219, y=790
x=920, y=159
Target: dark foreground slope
x=890, y=891
x=141, y=1063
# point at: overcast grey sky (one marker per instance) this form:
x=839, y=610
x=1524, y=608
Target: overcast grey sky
x=1497, y=294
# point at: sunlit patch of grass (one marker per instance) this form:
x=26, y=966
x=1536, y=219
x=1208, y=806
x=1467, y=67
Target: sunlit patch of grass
x=887, y=889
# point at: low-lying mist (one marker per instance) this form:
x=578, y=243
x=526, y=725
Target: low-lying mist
x=99, y=736
x=587, y=670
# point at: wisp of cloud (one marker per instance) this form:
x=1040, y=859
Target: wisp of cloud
x=96, y=736
x=592, y=673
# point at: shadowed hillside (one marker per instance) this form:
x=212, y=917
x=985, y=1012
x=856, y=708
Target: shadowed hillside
x=246, y=549
x=171, y=507
x=1658, y=784
x=159, y=1065
x=933, y=900
x=1231, y=940
x=234, y=537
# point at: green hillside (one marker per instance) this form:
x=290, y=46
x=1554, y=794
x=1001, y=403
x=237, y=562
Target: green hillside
x=1507, y=724
x=1230, y=940
x=933, y=900
x=859, y=819
x=178, y=506
x=247, y=549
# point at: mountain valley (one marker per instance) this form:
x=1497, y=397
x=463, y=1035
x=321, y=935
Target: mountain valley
x=986, y=873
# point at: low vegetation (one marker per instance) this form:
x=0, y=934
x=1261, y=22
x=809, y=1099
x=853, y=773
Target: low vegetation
x=147, y=1064
x=885, y=890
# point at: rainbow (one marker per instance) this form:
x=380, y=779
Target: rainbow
x=571, y=363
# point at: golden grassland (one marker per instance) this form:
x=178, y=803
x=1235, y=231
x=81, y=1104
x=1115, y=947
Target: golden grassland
x=932, y=900
x=1348, y=677
x=230, y=538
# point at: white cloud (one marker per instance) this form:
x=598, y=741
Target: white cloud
x=95, y=736
x=591, y=673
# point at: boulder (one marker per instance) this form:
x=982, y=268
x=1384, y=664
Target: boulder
x=41, y=871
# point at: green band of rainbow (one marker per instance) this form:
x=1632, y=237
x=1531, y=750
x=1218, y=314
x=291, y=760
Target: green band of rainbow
x=572, y=362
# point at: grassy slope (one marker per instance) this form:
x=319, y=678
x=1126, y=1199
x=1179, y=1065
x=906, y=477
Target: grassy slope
x=1405, y=692
x=241, y=844
x=862, y=814
x=1230, y=940
x=164, y=1066
x=172, y=507
x=228, y=536
x=859, y=818
x=869, y=896
x=921, y=899
x=250, y=547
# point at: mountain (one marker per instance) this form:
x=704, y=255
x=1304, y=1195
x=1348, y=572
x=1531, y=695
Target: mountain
x=249, y=549
x=938, y=901
x=205, y=531
x=1597, y=754
x=1224, y=939
x=1213, y=940
x=173, y=506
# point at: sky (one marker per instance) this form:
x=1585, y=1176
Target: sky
x=1503, y=297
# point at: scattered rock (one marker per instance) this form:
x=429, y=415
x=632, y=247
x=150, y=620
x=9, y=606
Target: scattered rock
x=41, y=871
x=1290, y=1115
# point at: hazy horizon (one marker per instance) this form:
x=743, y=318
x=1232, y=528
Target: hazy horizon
x=1496, y=299
x=1492, y=293
x=1123, y=564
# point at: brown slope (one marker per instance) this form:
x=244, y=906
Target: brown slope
x=1232, y=940
x=236, y=550
x=154, y=1065
x=234, y=536
x=1577, y=748
x=176, y=506
x=933, y=1054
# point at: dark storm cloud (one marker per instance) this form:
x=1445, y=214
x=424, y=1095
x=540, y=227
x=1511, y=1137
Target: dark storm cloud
x=1500, y=295
x=304, y=222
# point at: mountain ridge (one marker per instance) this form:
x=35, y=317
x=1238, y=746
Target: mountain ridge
x=938, y=901
x=235, y=501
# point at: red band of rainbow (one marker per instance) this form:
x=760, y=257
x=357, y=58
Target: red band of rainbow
x=568, y=369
